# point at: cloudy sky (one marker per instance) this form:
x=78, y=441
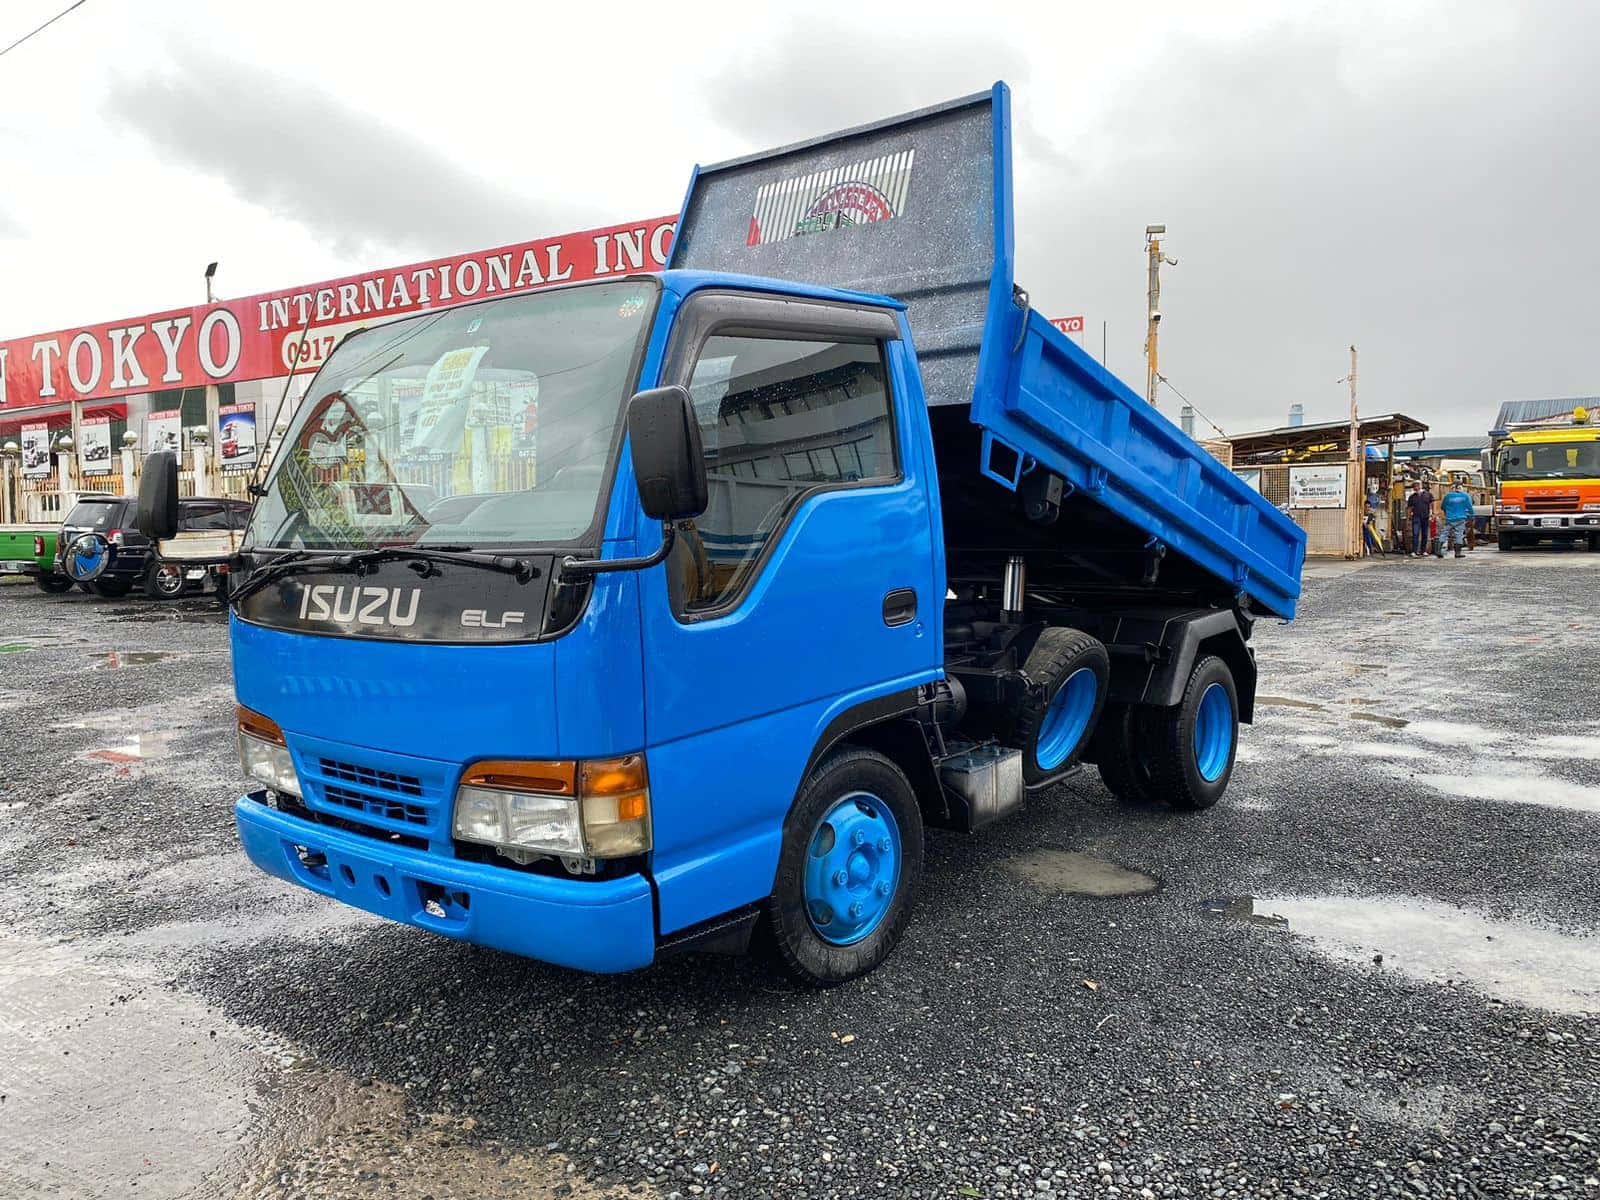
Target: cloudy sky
x=1417, y=178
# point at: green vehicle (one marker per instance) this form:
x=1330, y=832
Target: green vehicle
x=31, y=550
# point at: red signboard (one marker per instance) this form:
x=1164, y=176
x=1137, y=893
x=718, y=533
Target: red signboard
x=260, y=337
x=1068, y=324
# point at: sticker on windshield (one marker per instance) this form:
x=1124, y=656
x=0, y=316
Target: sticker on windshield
x=874, y=189
x=441, y=416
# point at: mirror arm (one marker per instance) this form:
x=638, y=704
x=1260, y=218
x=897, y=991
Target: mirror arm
x=597, y=566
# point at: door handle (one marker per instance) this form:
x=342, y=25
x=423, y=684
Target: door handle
x=900, y=607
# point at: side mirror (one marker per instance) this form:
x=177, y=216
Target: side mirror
x=669, y=464
x=157, y=513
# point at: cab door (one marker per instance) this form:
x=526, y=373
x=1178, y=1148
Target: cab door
x=807, y=590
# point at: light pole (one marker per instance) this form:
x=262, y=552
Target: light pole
x=211, y=271
x=1152, y=239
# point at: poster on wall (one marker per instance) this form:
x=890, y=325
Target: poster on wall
x=1317, y=487
x=36, y=451
x=236, y=436
x=94, y=447
x=163, y=431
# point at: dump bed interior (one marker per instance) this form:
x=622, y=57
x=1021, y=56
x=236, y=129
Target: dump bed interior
x=919, y=208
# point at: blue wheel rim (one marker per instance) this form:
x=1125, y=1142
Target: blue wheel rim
x=1213, y=733
x=1066, y=719
x=852, y=869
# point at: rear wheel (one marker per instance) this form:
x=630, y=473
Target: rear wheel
x=163, y=581
x=1192, y=744
x=848, y=870
x=1052, y=731
x=1119, y=750
x=54, y=584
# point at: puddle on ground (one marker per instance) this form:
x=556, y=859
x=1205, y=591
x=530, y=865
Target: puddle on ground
x=1289, y=702
x=1079, y=874
x=139, y=747
x=1438, y=943
x=1519, y=789
x=115, y=659
x=1450, y=733
x=1563, y=746
x=1383, y=750
x=1391, y=722
x=1241, y=908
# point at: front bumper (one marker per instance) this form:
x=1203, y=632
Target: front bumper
x=590, y=925
x=1550, y=524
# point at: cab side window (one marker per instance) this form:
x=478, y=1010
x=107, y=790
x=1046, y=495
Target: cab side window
x=779, y=418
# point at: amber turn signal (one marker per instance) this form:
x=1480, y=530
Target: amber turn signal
x=545, y=778
x=262, y=728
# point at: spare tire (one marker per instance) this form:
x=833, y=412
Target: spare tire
x=1053, y=726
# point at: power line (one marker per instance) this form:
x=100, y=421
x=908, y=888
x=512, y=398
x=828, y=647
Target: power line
x=42, y=28
x=1194, y=406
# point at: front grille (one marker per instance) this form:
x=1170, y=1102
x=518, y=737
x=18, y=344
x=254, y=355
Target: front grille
x=372, y=778
x=1549, y=504
x=394, y=810
x=297, y=808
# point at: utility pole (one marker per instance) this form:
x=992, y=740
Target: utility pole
x=1355, y=491
x=1152, y=238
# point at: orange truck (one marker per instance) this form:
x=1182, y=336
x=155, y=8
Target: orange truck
x=1548, y=482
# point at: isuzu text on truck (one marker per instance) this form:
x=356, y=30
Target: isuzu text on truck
x=606, y=621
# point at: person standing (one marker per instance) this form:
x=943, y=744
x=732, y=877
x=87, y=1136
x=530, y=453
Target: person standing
x=1420, y=504
x=1457, y=506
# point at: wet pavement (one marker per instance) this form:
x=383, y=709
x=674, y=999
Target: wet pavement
x=1372, y=970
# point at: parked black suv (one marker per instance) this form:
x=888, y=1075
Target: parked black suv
x=132, y=558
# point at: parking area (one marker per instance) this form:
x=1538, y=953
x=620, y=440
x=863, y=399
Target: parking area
x=1367, y=972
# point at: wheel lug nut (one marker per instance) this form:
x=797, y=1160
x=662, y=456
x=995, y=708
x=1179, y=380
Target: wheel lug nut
x=883, y=887
x=857, y=837
x=856, y=910
x=840, y=878
x=883, y=845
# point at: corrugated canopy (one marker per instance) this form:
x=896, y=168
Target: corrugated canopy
x=1521, y=412
x=1336, y=434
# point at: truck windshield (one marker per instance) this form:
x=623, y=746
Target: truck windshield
x=1551, y=460
x=487, y=424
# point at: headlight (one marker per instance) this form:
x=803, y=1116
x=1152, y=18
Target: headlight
x=263, y=754
x=1511, y=508
x=594, y=809
x=1591, y=506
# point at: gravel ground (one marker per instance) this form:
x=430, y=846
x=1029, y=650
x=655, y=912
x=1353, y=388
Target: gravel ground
x=1366, y=973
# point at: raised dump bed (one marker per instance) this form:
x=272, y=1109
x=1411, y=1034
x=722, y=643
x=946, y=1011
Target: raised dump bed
x=1136, y=501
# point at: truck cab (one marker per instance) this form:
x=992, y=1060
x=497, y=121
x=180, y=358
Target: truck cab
x=1548, y=483
x=636, y=616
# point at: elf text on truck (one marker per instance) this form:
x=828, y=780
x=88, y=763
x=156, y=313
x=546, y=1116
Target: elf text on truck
x=618, y=619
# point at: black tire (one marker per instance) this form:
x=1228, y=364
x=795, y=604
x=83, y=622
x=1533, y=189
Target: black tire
x=790, y=933
x=163, y=581
x=84, y=587
x=222, y=590
x=54, y=584
x=1503, y=540
x=1175, y=771
x=1058, y=655
x=110, y=589
x=1119, y=753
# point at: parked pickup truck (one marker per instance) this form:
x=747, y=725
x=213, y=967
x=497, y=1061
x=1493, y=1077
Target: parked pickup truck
x=31, y=550
x=826, y=537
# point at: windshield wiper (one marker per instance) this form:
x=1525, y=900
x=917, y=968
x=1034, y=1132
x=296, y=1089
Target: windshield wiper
x=362, y=562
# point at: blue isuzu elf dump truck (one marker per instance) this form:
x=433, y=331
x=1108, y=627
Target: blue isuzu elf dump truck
x=666, y=612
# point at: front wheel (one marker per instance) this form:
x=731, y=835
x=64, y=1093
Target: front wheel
x=110, y=589
x=54, y=584
x=1192, y=744
x=848, y=870
x=1503, y=540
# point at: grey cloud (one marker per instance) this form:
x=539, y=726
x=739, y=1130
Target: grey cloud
x=364, y=186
